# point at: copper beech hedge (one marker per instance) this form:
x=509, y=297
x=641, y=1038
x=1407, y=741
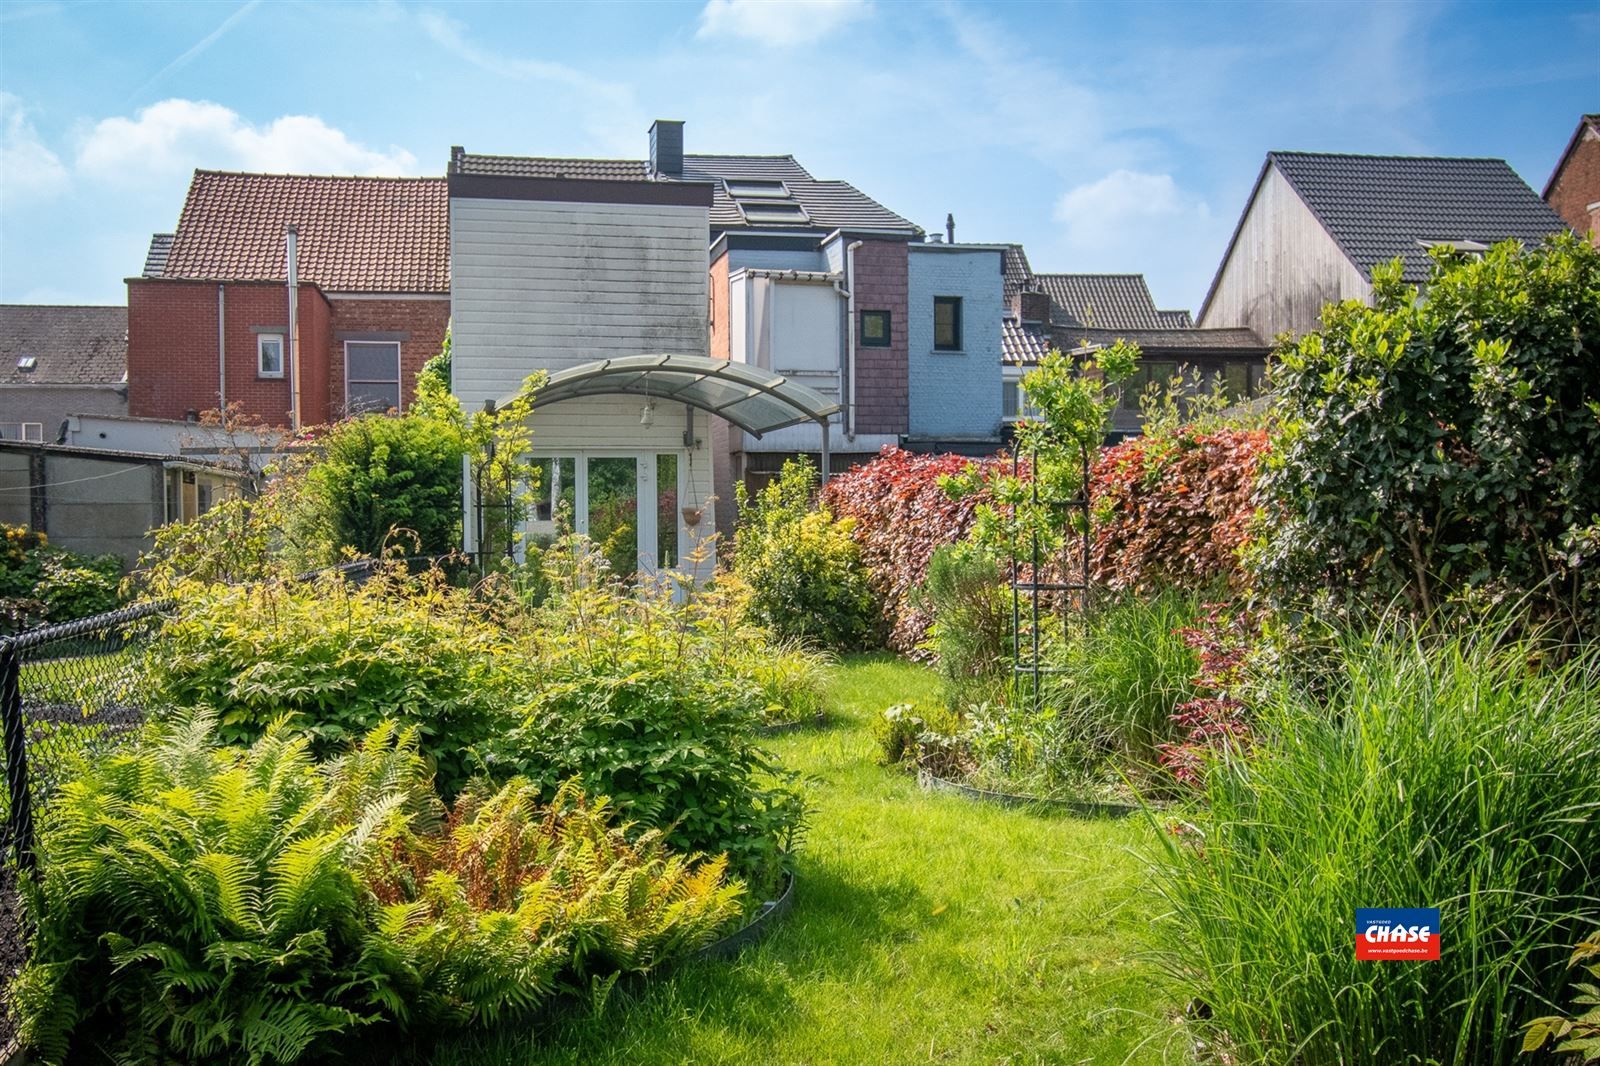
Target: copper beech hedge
x=902, y=517
x=1172, y=509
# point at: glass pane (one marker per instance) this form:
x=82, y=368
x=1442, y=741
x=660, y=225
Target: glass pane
x=370, y=361
x=372, y=396
x=875, y=327
x=666, y=512
x=1238, y=375
x=614, y=512
x=944, y=324
x=271, y=355
x=1008, y=398
x=555, y=500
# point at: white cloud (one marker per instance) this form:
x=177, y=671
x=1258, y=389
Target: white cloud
x=1125, y=205
x=778, y=22
x=177, y=135
x=28, y=169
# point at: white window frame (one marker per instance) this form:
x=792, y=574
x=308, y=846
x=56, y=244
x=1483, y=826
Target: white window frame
x=261, y=345
x=399, y=390
x=32, y=432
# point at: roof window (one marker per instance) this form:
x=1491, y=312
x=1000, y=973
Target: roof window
x=27, y=362
x=766, y=201
x=1460, y=245
x=757, y=190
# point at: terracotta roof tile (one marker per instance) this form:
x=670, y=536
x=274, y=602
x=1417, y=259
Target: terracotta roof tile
x=355, y=234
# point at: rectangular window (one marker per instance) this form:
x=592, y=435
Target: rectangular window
x=371, y=376
x=33, y=431
x=269, y=355
x=1010, y=400
x=1238, y=380
x=874, y=329
x=947, y=323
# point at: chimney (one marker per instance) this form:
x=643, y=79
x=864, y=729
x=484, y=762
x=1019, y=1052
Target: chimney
x=666, y=148
x=950, y=228
x=1032, y=307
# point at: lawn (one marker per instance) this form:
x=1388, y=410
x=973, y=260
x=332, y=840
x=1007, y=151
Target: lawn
x=926, y=928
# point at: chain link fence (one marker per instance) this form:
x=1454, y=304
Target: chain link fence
x=68, y=694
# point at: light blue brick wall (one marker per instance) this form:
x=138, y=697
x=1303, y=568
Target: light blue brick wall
x=955, y=394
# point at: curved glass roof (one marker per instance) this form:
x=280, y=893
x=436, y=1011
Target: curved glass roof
x=757, y=401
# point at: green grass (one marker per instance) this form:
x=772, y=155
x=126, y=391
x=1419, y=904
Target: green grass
x=926, y=928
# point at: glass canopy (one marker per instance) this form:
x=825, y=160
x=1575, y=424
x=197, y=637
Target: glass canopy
x=757, y=401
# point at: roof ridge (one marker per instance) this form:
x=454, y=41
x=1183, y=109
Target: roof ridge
x=319, y=177
x=562, y=158
x=1375, y=155
x=741, y=155
x=1076, y=274
x=79, y=307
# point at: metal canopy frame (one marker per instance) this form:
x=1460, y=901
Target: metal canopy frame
x=700, y=382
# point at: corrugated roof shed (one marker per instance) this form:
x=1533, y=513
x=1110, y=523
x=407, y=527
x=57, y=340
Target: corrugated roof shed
x=68, y=345
x=1379, y=208
x=355, y=234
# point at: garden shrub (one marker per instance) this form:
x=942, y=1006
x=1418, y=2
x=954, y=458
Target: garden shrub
x=42, y=584
x=802, y=566
x=1174, y=508
x=379, y=477
x=631, y=695
x=902, y=514
x=338, y=657
x=966, y=596
x=198, y=902
x=1445, y=450
x=1423, y=772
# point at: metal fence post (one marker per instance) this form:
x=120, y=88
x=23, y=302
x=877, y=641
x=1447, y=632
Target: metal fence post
x=20, y=817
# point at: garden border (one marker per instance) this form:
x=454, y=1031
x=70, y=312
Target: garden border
x=1089, y=808
x=756, y=929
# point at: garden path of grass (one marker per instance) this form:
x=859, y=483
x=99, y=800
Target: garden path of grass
x=925, y=928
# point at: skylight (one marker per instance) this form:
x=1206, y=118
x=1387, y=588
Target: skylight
x=1458, y=244
x=27, y=362
x=774, y=212
x=757, y=190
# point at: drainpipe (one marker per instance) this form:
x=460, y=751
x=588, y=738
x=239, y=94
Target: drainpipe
x=292, y=341
x=222, y=350
x=850, y=283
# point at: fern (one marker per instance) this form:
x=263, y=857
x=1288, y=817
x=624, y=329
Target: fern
x=206, y=902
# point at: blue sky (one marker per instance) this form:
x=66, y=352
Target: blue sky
x=1119, y=137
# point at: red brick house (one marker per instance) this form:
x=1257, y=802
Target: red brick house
x=1573, y=191
x=210, y=321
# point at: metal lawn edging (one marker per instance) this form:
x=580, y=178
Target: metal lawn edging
x=756, y=928
x=1088, y=808
x=780, y=728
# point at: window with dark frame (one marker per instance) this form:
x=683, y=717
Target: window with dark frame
x=875, y=329
x=947, y=323
x=371, y=376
